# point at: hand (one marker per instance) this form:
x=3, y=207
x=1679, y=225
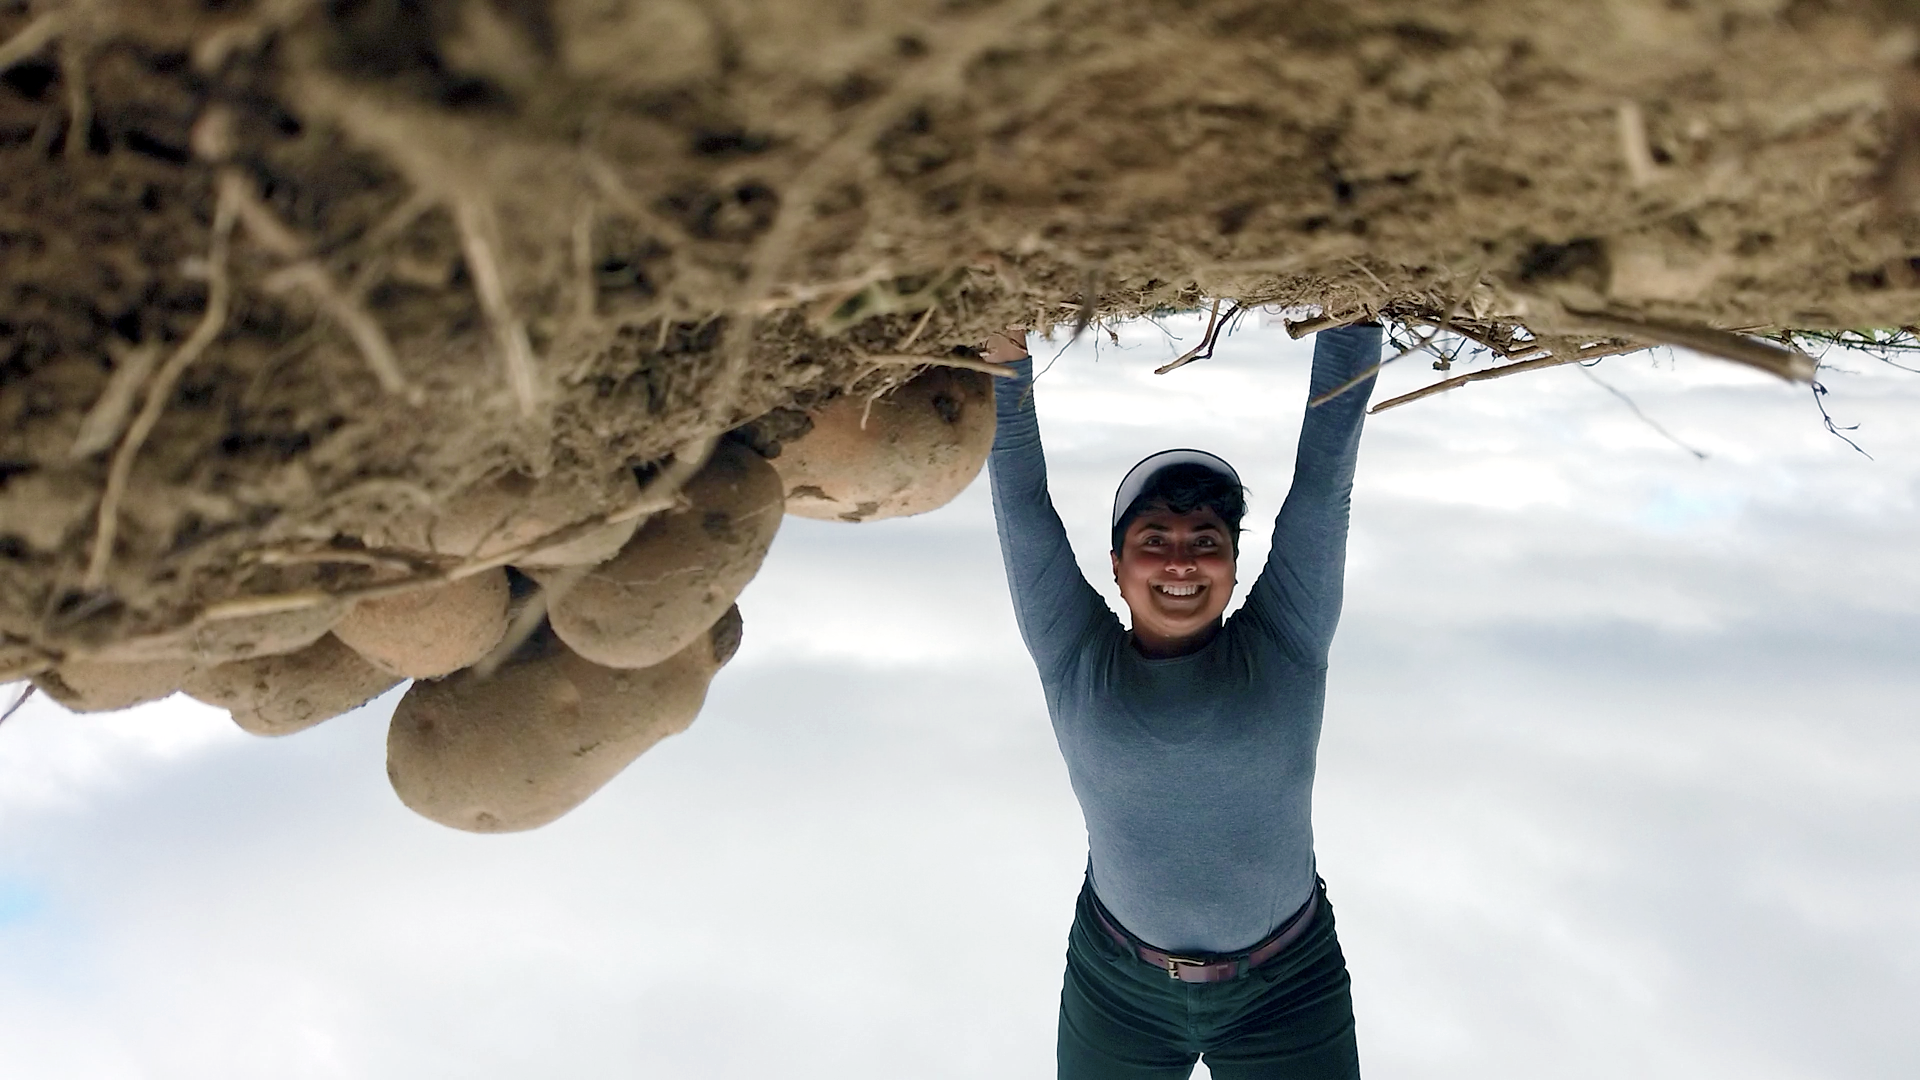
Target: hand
x=1005, y=346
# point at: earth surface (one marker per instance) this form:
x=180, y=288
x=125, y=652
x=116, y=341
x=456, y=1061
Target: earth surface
x=274, y=271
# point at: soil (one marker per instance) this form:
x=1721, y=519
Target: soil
x=299, y=265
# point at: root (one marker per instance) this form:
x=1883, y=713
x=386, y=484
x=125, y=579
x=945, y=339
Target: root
x=26, y=694
x=1445, y=324
x=1658, y=428
x=23, y=662
x=586, y=301
x=73, y=72
x=31, y=38
x=108, y=417
x=925, y=318
x=946, y=67
x=969, y=363
x=1642, y=170
x=1789, y=364
x=475, y=225
x=615, y=190
x=1090, y=304
x=312, y=279
x=219, y=297
x=661, y=493
x=382, y=560
x=262, y=224
x=528, y=620
x=400, y=218
x=1503, y=347
x=308, y=277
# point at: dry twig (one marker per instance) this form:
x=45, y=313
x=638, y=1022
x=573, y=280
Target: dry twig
x=1592, y=352
x=1205, y=348
x=1303, y=327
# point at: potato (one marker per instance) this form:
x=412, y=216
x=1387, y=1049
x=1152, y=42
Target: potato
x=223, y=640
x=680, y=572
x=921, y=446
x=518, y=750
x=430, y=632
x=104, y=686
x=279, y=695
x=506, y=513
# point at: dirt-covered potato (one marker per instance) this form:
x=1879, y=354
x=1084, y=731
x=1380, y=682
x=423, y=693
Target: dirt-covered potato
x=103, y=686
x=680, y=571
x=431, y=632
x=279, y=695
x=519, y=749
x=507, y=513
x=912, y=451
x=223, y=640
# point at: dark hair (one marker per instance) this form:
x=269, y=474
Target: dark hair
x=1183, y=489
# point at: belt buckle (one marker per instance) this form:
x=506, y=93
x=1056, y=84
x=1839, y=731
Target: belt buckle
x=1174, y=964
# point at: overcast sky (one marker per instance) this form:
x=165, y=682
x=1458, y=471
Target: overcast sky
x=1618, y=779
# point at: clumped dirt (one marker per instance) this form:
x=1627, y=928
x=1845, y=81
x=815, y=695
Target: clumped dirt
x=272, y=271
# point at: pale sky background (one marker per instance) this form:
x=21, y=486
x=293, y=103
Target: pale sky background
x=1618, y=779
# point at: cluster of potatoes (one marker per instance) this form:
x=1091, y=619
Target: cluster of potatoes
x=639, y=615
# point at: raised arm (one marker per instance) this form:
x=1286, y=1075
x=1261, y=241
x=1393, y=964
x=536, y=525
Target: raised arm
x=1297, y=597
x=1052, y=601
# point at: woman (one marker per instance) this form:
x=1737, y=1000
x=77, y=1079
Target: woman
x=1202, y=928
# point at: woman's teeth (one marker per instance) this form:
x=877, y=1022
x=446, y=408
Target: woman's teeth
x=1179, y=590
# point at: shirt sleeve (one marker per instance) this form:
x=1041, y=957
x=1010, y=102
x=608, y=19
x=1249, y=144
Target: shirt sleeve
x=1055, y=607
x=1297, y=597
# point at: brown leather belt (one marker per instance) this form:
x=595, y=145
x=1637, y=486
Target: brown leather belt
x=1220, y=968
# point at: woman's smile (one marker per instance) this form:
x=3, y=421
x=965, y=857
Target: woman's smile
x=1176, y=573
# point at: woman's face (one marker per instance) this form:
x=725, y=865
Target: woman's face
x=1176, y=573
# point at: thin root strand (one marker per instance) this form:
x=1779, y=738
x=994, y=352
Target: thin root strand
x=160, y=391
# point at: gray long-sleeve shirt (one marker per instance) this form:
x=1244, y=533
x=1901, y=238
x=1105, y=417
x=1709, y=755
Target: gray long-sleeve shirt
x=1194, y=774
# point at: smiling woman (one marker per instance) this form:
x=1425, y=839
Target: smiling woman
x=1176, y=532
x=1190, y=741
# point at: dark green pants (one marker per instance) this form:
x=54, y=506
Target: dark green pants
x=1121, y=1018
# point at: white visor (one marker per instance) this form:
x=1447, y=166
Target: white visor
x=1137, y=477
